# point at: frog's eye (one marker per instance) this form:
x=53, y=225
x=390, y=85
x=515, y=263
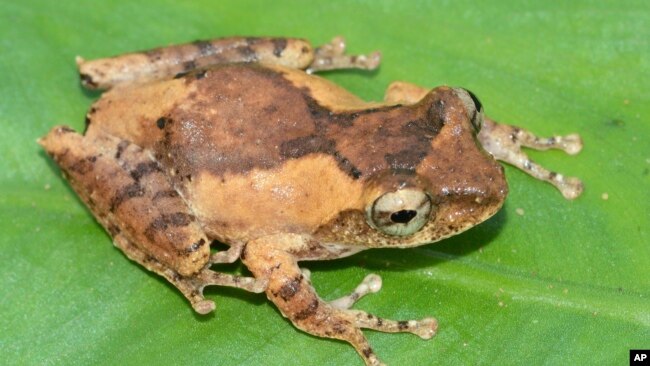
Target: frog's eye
x=400, y=213
x=473, y=106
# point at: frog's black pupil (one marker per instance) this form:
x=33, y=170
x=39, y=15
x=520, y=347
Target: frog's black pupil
x=403, y=216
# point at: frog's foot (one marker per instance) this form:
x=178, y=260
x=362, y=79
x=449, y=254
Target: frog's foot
x=371, y=284
x=504, y=142
x=190, y=286
x=292, y=293
x=206, y=277
x=331, y=56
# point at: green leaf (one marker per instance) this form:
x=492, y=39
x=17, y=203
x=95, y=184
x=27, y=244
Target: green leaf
x=564, y=283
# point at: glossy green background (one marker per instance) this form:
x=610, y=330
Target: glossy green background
x=566, y=283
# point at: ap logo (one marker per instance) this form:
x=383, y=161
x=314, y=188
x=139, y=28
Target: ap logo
x=639, y=357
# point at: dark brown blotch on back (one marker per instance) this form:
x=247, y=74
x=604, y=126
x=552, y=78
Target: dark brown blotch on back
x=313, y=144
x=245, y=116
x=343, y=119
x=347, y=166
x=421, y=130
x=301, y=146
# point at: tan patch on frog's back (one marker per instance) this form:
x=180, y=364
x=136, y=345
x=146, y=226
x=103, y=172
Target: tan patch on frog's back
x=133, y=113
x=297, y=196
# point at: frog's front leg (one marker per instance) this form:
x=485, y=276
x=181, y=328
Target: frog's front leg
x=129, y=194
x=272, y=260
x=504, y=142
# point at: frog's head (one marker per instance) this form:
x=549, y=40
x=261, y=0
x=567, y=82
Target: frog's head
x=430, y=177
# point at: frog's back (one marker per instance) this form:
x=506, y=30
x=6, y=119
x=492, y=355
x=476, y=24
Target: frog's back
x=228, y=119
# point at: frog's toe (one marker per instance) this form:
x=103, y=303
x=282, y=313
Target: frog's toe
x=570, y=187
x=331, y=56
x=426, y=328
x=572, y=143
x=370, y=284
x=204, y=306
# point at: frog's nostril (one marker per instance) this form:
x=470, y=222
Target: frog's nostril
x=403, y=216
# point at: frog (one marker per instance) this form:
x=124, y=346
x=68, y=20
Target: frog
x=237, y=141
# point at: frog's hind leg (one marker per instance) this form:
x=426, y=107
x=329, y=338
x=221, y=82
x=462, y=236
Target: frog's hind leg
x=131, y=197
x=167, y=62
x=504, y=142
x=271, y=259
x=331, y=56
x=177, y=60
